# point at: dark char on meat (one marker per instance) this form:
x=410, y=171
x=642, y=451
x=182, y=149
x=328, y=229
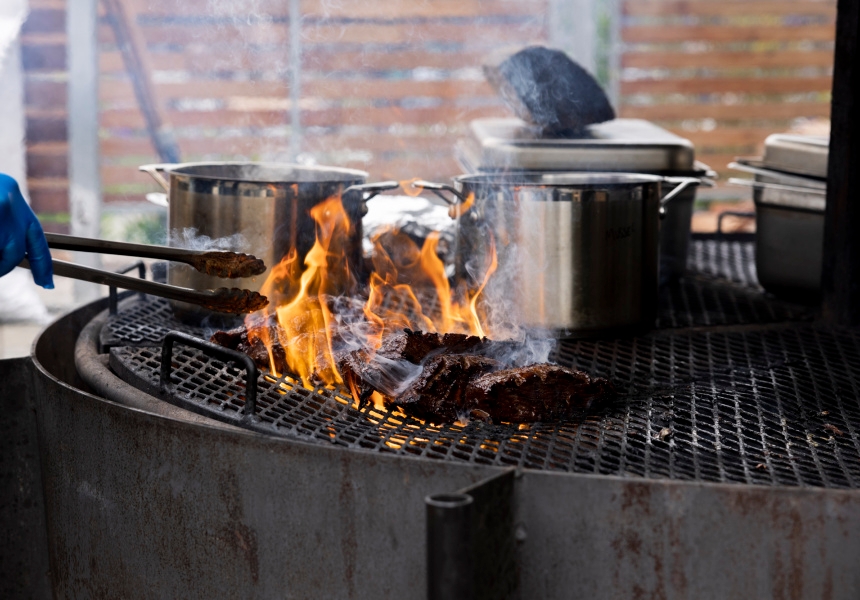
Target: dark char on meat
x=442, y=378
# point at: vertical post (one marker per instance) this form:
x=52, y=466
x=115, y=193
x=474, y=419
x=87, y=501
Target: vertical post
x=572, y=29
x=295, y=77
x=450, y=568
x=615, y=45
x=840, y=278
x=83, y=119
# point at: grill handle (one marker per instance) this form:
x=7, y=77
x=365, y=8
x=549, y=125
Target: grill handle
x=217, y=351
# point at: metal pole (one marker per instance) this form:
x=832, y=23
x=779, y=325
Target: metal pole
x=83, y=123
x=295, y=77
x=572, y=29
x=840, y=278
x=450, y=568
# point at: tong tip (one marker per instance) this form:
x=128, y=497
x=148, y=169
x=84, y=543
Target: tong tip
x=236, y=301
x=229, y=265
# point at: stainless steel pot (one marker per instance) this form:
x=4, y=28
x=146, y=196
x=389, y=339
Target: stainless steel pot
x=267, y=203
x=577, y=252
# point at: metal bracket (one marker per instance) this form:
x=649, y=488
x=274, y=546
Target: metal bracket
x=214, y=349
x=112, y=293
x=471, y=541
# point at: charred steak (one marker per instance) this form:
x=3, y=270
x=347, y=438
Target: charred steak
x=253, y=346
x=535, y=393
x=439, y=394
x=445, y=377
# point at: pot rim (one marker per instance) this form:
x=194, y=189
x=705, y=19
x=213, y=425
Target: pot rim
x=292, y=172
x=558, y=179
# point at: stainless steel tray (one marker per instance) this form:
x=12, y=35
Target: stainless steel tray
x=624, y=145
x=785, y=196
x=799, y=154
x=755, y=166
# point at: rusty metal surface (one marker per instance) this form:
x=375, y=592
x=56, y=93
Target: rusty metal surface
x=141, y=505
x=606, y=538
x=23, y=545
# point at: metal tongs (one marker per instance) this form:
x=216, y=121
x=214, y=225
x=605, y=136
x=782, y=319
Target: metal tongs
x=211, y=262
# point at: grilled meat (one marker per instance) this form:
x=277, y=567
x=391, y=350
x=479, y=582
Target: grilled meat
x=227, y=264
x=439, y=394
x=417, y=346
x=535, y=393
x=238, y=339
x=444, y=377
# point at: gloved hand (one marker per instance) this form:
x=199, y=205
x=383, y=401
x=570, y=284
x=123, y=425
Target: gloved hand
x=21, y=234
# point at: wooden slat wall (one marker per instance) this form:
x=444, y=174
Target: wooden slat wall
x=43, y=52
x=388, y=86
x=726, y=74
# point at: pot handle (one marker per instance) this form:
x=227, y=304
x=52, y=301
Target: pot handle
x=682, y=183
x=158, y=198
x=156, y=171
x=438, y=188
x=369, y=190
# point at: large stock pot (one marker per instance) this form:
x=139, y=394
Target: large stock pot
x=578, y=253
x=268, y=204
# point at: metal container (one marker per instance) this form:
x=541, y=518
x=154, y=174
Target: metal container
x=789, y=191
x=798, y=154
x=620, y=145
x=262, y=209
x=789, y=234
x=577, y=252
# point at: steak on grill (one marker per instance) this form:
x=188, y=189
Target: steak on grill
x=445, y=377
x=238, y=339
x=460, y=378
x=540, y=392
x=439, y=394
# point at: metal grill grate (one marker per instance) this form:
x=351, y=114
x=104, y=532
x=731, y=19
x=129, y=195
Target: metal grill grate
x=143, y=324
x=768, y=407
x=766, y=403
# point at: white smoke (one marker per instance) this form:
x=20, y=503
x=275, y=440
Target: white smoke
x=190, y=239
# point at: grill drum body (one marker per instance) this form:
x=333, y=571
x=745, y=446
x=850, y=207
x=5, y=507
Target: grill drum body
x=140, y=504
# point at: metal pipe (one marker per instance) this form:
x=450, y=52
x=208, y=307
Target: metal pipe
x=295, y=77
x=84, y=178
x=450, y=569
x=840, y=277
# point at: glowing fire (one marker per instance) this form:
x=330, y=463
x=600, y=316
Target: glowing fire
x=317, y=306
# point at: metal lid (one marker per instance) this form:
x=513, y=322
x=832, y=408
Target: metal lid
x=799, y=154
x=756, y=167
x=628, y=145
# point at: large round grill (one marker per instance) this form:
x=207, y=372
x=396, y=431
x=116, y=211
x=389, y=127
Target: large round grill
x=733, y=386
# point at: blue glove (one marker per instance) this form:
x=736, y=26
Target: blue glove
x=21, y=235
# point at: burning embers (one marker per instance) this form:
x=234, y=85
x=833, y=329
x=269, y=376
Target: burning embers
x=406, y=338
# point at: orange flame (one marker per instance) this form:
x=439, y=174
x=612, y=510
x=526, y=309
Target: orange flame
x=409, y=189
x=408, y=288
x=461, y=208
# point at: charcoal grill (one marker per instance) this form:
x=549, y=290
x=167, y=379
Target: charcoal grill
x=733, y=387
x=728, y=466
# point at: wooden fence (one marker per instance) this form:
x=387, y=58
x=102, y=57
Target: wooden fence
x=726, y=74
x=389, y=85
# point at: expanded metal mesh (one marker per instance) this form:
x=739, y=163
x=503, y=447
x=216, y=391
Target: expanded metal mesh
x=774, y=402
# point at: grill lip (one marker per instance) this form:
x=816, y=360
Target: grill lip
x=730, y=399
